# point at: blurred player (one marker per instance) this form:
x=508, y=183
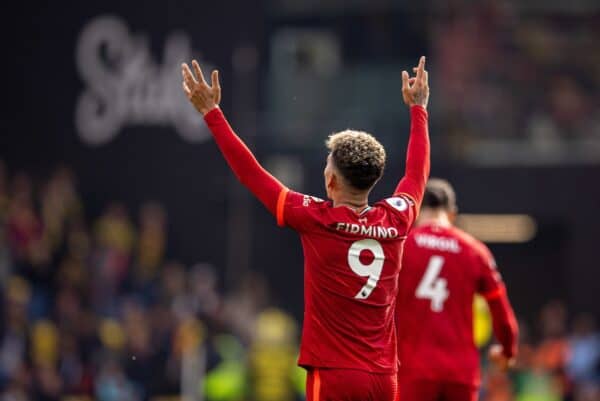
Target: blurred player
x=442, y=270
x=352, y=251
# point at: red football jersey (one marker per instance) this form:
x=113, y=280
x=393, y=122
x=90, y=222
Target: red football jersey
x=351, y=266
x=442, y=269
x=352, y=260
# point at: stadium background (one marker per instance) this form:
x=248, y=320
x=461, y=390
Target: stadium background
x=131, y=261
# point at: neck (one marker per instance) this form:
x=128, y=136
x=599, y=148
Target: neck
x=356, y=201
x=433, y=216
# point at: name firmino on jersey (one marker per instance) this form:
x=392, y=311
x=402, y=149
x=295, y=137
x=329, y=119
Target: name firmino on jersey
x=370, y=231
x=439, y=243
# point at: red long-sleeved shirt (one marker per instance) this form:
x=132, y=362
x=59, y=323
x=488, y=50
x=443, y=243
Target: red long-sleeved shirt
x=351, y=259
x=417, y=159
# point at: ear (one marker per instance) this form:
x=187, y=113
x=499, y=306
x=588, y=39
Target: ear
x=452, y=216
x=332, y=181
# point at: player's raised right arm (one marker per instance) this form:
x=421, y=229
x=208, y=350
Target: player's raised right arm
x=415, y=92
x=242, y=162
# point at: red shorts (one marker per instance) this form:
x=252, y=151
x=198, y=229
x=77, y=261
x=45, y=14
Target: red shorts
x=349, y=385
x=431, y=390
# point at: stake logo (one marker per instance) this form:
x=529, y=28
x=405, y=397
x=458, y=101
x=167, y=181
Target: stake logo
x=125, y=86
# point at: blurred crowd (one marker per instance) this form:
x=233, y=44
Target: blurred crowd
x=511, y=81
x=559, y=360
x=91, y=310
x=517, y=73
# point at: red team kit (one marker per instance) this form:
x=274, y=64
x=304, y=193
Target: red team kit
x=357, y=331
x=442, y=269
x=351, y=267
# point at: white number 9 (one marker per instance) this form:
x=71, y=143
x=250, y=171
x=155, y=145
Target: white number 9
x=372, y=270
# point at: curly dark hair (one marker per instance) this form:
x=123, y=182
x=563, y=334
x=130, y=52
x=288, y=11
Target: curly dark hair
x=358, y=156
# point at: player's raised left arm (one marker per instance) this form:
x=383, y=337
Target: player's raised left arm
x=415, y=93
x=250, y=173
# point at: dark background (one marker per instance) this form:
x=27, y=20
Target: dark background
x=41, y=86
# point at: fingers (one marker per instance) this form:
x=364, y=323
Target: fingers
x=405, y=81
x=187, y=90
x=214, y=80
x=216, y=86
x=188, y=77
x=198, y=71
x=421, y=68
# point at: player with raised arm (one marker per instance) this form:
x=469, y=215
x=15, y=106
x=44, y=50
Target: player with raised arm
x=352, y=250
x=442, y=270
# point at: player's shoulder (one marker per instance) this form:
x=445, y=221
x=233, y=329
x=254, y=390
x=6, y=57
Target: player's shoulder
x=400, y=208
x=396, y=203
x=299, y=199
x=468, y=241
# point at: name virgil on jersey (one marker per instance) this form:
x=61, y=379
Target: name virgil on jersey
x=443, y=244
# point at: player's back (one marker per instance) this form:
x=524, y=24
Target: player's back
x=442, y=269
x=352, y=261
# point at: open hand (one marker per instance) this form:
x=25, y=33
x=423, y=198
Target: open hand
x=415, y=90
x=203, y=97
x=497, y=357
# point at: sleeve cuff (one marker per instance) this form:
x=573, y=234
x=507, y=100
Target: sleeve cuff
x=417, y=109
x=509, y=353
x=213, y=116
x=494, y=294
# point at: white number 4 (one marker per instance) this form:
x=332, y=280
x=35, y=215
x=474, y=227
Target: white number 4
x=433, y=287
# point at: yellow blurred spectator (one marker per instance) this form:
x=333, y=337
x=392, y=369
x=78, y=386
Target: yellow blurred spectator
x=111, y=334
x=44, y=343
x=273, y=372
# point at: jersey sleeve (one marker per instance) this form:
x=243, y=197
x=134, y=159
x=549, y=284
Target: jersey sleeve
x=417, y=170
x=491, y=287
x=489, y=283
x=266, y=188
x=403, y=207
x=296, y=210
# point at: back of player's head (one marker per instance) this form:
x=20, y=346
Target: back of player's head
x=358, y=156
x=439, y=194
